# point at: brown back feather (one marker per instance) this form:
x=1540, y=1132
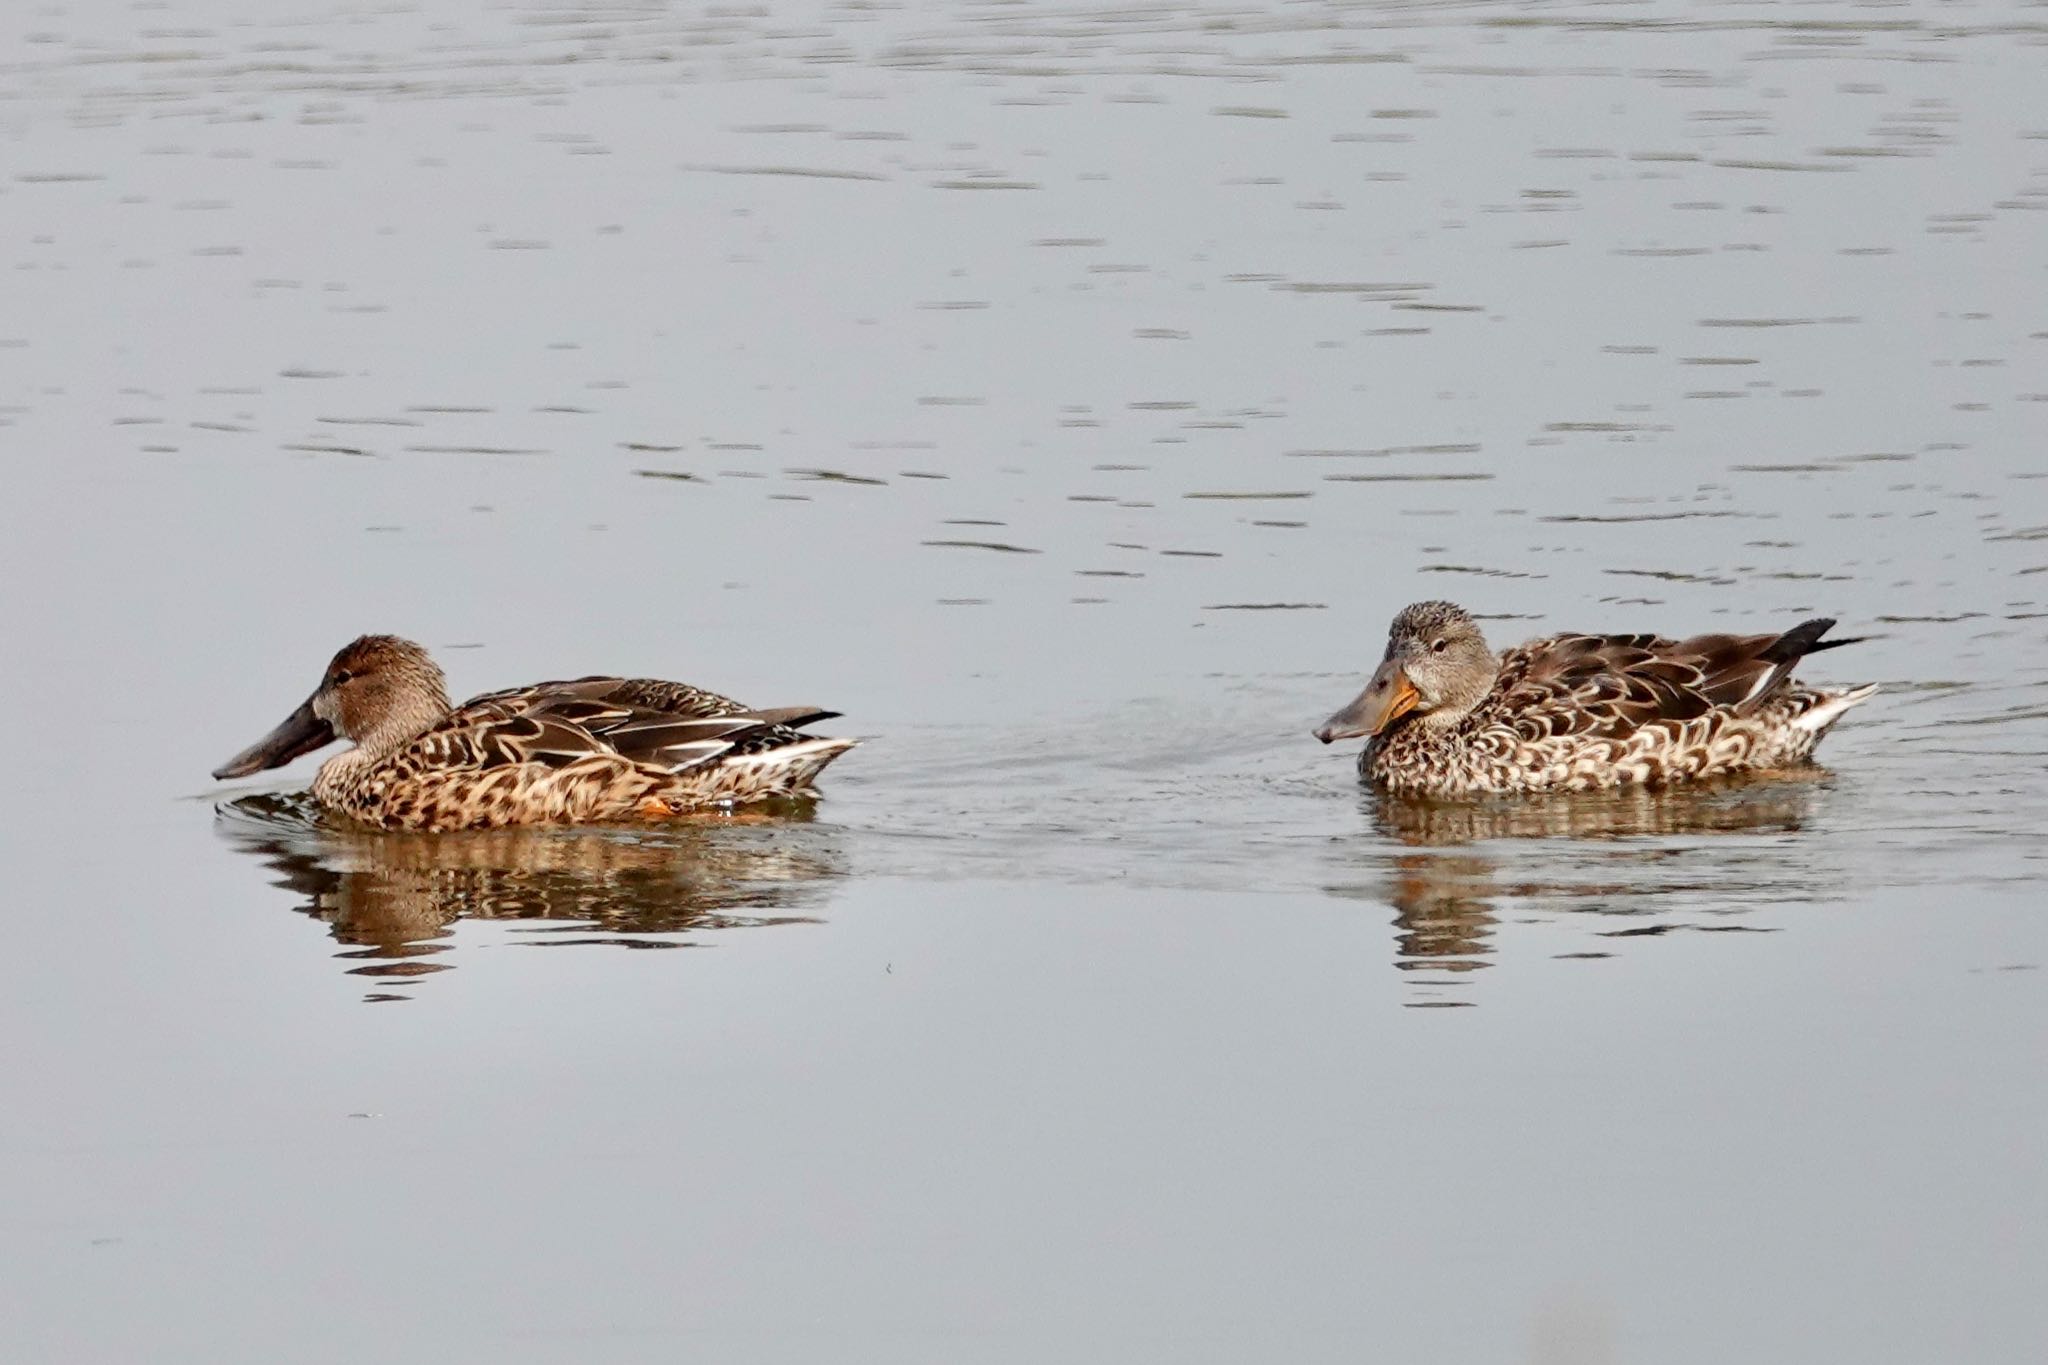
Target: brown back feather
x=668, y=726
x=1604, y=686
x=1612, y=685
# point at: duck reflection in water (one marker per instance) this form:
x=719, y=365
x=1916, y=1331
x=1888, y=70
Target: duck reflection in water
x=1669, y=858
x=394, y=899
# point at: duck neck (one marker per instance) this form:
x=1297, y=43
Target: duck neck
x=1460, y=701
x=341, y=775
x=412, y=714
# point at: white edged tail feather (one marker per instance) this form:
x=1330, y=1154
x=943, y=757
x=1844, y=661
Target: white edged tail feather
x=796, y=766
x=1830, y=707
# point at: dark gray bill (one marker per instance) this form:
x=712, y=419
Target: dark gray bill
x=301, y=733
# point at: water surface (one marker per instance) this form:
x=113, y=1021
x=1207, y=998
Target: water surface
x=1069, y=395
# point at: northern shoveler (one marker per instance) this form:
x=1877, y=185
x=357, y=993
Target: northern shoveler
x=1446, y=717
x=554, y=752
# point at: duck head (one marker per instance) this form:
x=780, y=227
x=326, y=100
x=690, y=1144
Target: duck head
x=1436, y=668
x=379, y=691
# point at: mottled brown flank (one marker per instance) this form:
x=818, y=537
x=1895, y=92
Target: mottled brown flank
x=591, y=749
x=1581, y=712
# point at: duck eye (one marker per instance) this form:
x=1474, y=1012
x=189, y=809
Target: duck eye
x=1439, y=646
x=341, y=675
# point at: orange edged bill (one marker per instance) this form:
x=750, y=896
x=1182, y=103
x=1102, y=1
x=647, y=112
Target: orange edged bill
x=1387, y=698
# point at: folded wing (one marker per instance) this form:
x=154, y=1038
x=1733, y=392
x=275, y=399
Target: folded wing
x=1609, y=686
x=666, y=726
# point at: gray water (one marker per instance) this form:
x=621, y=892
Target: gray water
x=1069, y=395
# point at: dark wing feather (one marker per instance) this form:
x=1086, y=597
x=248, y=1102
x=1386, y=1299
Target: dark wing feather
x=1598, y=686
x=646, y=694
x=530, y=739
x=676, y=699
x=1731, y=668
x=1610, y=686
x=795, y=717
x=1742, y=671
x=664, y=725
x=680, y=699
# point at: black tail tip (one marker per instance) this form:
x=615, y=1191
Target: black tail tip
x=1804, y=639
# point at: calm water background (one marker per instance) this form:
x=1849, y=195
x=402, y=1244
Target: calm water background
x=1068, y=394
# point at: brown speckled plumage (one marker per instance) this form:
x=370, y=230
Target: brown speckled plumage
x=1578, y=712
x=586, y=750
